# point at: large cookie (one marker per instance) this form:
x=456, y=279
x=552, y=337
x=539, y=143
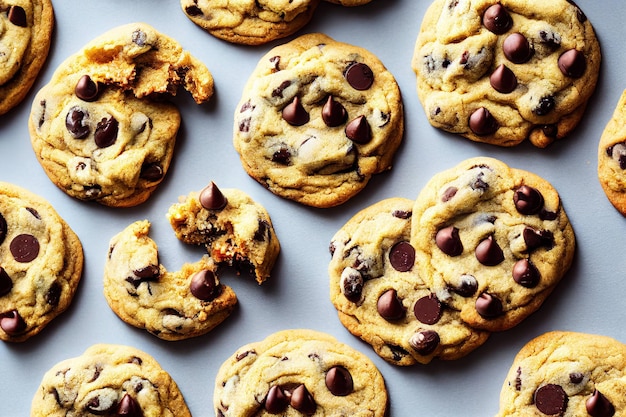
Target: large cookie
x=41, y=263
x=501, y=71
x=25, y=35
x=317, y=119
x=111, y=380
x=97, y=127
x=566, y=374
x=612, y=157
x=380, y=296
x=299, y=372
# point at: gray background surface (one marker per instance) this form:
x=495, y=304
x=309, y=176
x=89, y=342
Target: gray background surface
x=589, y=299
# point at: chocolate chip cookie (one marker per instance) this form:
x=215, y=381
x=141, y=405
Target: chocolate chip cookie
x=26, y=28
x=97, y=127
x=566, y=374
x=612, y=157
x=503, y=71
x=380, y=296
x=109, y=380
x=41, y=263
x=299, y=372
x=317, y=119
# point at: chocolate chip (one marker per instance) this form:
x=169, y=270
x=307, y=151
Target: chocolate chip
x=528, y=200
x=550, y=130
x=428, y=309
x=537, y=238
x=150, y=272
x=576, y=377
x=572, y=63
x=17, y=16
x=139, y=37
x=402, y=256
x=262, y=232
x=599, y=406
x=302, y=400
x=551, y=399
x=358, y=130
x=128, y=407
x=516, y=48
x=545, y=106
x=12, y=323
x=488, y=306
x=193, y=11
x=481, y=122
x=449, y=241
x=467, y=287
x=402, y=214
x=34, y=212
x=204, y=285
x=24, y=248
x=425, y=342
x=86, y=89
x=389, y=306
x=339, y=381
x=106, y=132
x=351, y=284
x=497, y=20
x=526, y=274
x=53, y=295
x=151, y=172
x=5, y=282
x=448, y=194
x=295, y=114
x=333, y=113
x=617, y=152
x=550, y=39
x=76, y=122
x=488, y=252
x=359, y=76
x=276, y=401
x=503, y=79
x=282, y=156
x=211, y=198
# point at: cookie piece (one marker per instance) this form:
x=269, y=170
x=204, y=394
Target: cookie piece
x=317, y=119
x=299, y=372
x=41, y=263
x=96, y=127
x=491, y=241
x=612, y=157
x=235, y=229
x=109, y=380
x=566, y=374
x=503, y=71
x=380, y=296
x=250, y=22
x=171, y=305
x=26, y=28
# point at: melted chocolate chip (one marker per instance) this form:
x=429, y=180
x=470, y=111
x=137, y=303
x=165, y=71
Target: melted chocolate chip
x=339, y=381
x=449, y=241
x=497, y=20
x=3, y=228
x=17, y=16
x=488, y=306
x=295, y=114
x=76, y=123
x=358, y=130
x=333, y=113
x=599, y=406
x=24, y=248
x=302, y=400
x=535, y=239
x=5, y=282
x=106, y=132
x=545, y=106
x=448, y=194
x=389, y=306
x=359, y=76
x=276, y=401
x=151, y=172
x=351, y=284
x=86, y=89
x=488, y=252
x=204, y=285
x=526, y=274
x=503, y=79
x=282, y=156
x=211, y=198
x=528, y=200
x=402, y=214
x=402, y=256
x=551, y=399
x=428, y=309
x=467, y=287
x=12, y=323
x=572, y=63
x=150, y=272
x=425, y=342
x=516, y=48
x=262, y=232
x=481, y=122
x=128, y=407
x=53, y=295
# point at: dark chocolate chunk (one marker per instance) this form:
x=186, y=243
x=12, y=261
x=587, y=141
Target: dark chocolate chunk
x=545, y=106
x=295, y=114
x=389, y=306
x=516, y=48
x=150, y=272
x=535, y=239
x=276, y=401
x=5, y=282
x=333, y=113
x=302, y=400
x=467, y=287
x=76, y=122
x=360, y=76
x=128, y=407
x=106, y=132
x=278, y=91
x=572, y=63
x=17, y=16
x=352, y=284
x=358, y=130
x=428, y=309
x=151, y=172
x=204, y=285
x=503, y=79
x=211, y=198
x=193, y=10
x=481, y=122
x=4, y=228
x=339, y=381
x=425, y=342
x=488, y=252
x=551, y=399
x=53, y=295
x=402, y=256
x=528, y=200
x=526, y=274
x=24, y=248
x=282, y=156
x=86, y=89
x=599, y=406
x=488, y=306
x=262, y=232
x=497, y=20
x=12, y=323
x=449, y=241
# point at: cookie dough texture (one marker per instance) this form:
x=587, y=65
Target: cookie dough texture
x=26, y=28
x=566, y=374
x=317, y=119
x=101, y=129
x=109, y=380
x=299, y=372
x=612, y=157
x=41, y=263
x=503, y=71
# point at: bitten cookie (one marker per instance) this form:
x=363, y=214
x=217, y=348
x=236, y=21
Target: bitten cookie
x=612, y=157
x=96, y=127
x=491, y=241
x=566, y=374
x=171, y=305
x=236, y=230
x=501, y=71
x=109, y=380
x=41, y=263
x=26, y=28
x=299, y=372
x=381, y=298
x=317, y=119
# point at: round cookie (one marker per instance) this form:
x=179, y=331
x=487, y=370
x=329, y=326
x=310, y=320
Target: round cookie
x=101, y=129
x=299, y=372
x=109, y=380
x=236, y=230
x=317, y=119
x=380, y=297
x=566, y=374
x=170, y=305
x=491, y=241
x=41, y=263
x=612, y=157
x=250, y=22
x=501, y=71
x=26, y=28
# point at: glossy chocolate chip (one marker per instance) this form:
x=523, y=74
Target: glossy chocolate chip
x=516, y=48
x=86, y=89
x=526, y=274
x=448, y=194
x=360, y=76
x=482, y=122
x=466, y=287
x=339, y=381
x=128, y=407
x=402, y=256
x=488, y=252
x=4, y=228
x=425, y=342
x=428, y=309
x=194, y=11
x=24, y=248
x=333, y=113
x=488, y=306
x=449, y=241
x=351, y=284
x=12, y=323
x=282, y=156
x=295, y=114
x=503, y=79
x=599, y=406
x=5, y=282
x=302, y=400
x=551, y=399
x=497, y=20
x=150, y=272
x=76, y=123
x=576, y=377
x=204, y=285
x=151, y=172
x=276, y=401
x=358, y=130
x=106, y=132
x=535, y=239
x=389, y=306
x=528, y=200
x=572, y=63
x=544, y=106
x=211, y=198
x=17, y=16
